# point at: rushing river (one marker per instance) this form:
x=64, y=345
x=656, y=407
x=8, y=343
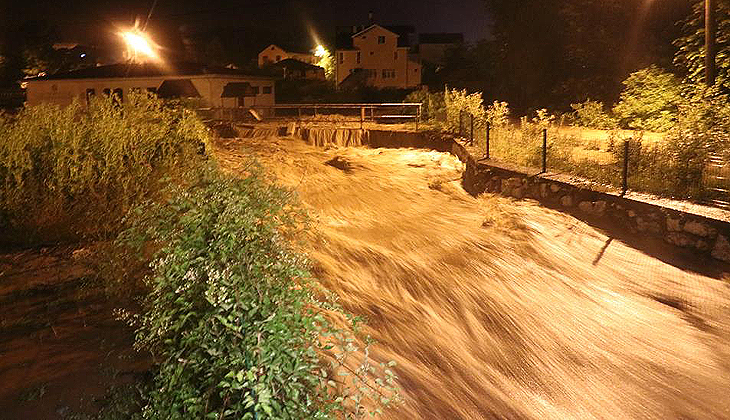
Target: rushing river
x=495, y=308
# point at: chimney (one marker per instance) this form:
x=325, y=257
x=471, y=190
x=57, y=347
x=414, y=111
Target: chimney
x=370, y=17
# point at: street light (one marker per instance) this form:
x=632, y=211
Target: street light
x=137, y=42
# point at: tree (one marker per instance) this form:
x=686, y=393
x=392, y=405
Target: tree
x=650, y=100
x=691, y=46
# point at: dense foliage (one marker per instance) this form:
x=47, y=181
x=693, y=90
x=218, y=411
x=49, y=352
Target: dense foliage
x=238, y=329
x=75, y=171
x=591, y=114
x=691, y=46
x=649, y=101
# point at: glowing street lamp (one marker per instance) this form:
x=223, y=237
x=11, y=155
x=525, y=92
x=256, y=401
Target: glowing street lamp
x=138, y=44
x=320, y=51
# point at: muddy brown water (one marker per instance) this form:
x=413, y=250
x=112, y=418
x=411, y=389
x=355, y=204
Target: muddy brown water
x=60, y=346
x=495, y=308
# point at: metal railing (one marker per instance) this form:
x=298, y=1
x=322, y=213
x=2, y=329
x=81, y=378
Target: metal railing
x=358, y=113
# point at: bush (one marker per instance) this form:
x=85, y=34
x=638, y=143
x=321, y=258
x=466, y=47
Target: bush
x=238, y=328
x=591, y=114
x=72, y=172
x=459, y=105
x=498, y=114
x=433, y=103
x=649, y=101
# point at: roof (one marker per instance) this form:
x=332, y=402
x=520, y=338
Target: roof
x=370, y=28
x=237, y=89
x=286, y=48
x=440, y=38
x=178, y=88
x=294, y=64
x=128, y=70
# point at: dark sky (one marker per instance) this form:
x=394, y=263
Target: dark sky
x=88, y=21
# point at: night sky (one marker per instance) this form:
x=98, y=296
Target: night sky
x=94, y=22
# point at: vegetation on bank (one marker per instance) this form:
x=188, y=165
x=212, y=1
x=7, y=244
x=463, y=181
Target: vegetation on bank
x=236, y=326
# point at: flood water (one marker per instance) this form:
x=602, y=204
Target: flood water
x=496, y=308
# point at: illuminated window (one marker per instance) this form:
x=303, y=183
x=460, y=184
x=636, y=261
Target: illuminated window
x=381, y=39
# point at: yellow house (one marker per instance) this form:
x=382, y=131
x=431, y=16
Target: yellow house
x=274, y=54
x=215, y=87
x=375, y=59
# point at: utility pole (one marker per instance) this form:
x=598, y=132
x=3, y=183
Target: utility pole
x=710, y=44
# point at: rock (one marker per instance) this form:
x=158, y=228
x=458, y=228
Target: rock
x=566, y=201
x=681, y=239
x=673, y=225
x=599, y=207
x=697, y=228
x=554, y=188
x=585, y=206
x=641, y=224
x=721, y=250
x=80, y=253
x=514, y=182
x=543, y=190
x=517, y=193
x=702, y=245
x=632, y=213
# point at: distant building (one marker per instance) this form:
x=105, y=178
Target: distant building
x=216, y=87
x=274, y=54
x=376, y=56
x=433, y=46
x=291, y=69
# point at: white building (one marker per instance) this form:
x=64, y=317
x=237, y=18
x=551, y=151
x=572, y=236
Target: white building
x=216, y=87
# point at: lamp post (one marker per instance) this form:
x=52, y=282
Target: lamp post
x=710, y=44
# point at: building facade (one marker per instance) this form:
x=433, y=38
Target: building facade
x=214, y=87
x=274, y=54
x=376, y=59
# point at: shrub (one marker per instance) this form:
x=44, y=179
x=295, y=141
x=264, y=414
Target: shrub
x=71, y=172
x=433, y=103
x=649, y=100
x=459, y=105
x=238, y=328
x=498, y=114
x=591, y=114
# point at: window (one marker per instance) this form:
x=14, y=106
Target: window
x=372, y=52
x=372, y=73
x=241, y=102
x=267, y=90
x=107, y=92
x=395, y=55
x=255, y=90
x=151, y=90
x=90, y=93
x=388, y=74
x=342, y=58
x=381, y=39
x=358, y=57
x=135, y=90
x=278, y=58
x=118, y=96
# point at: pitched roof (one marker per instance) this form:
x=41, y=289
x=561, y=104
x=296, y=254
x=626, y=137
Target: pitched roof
x=440, y=38
x=126, y=70
x=294, y=64
x=370, y=28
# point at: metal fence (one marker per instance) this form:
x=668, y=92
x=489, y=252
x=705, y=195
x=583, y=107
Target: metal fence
x=354, y=113
x=621, y=163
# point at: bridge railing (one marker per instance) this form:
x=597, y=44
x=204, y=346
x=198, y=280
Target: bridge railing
x=356, y=114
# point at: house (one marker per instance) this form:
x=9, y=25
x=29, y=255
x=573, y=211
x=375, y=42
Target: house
x=274, y=54
x=432, y=47
x=291, y=69
x=378, y=57
x=215, y=87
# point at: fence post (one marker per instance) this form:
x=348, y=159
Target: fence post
x=544, y=150
x=418, y=116
x=362, y=116
x=461, y=118
x=625, y=178
x=486, y=148
x=471, y=128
